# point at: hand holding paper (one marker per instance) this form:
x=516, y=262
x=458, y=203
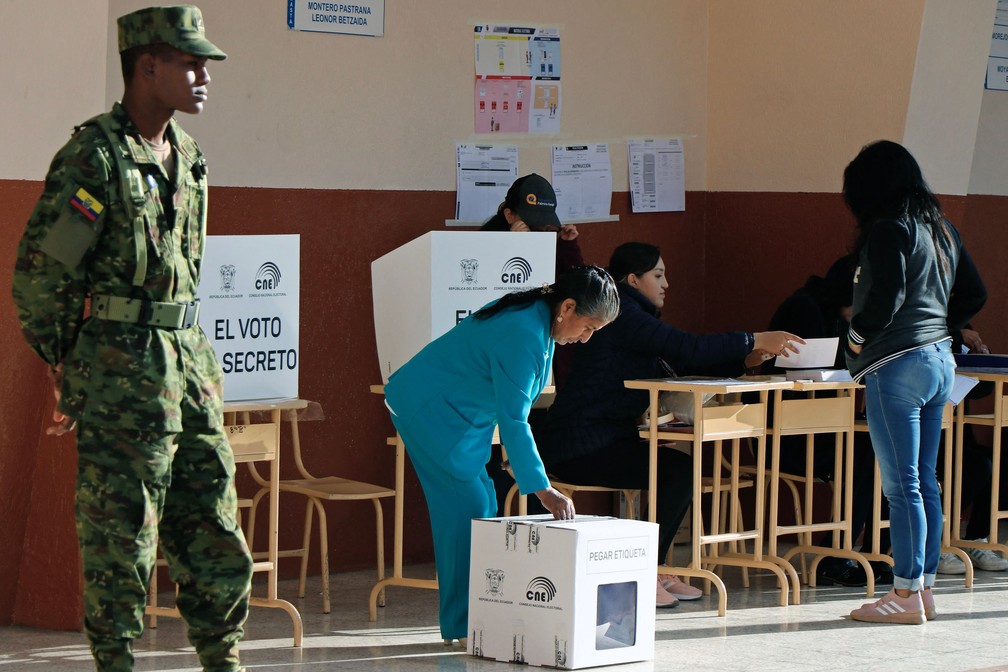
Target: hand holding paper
x=815, y=353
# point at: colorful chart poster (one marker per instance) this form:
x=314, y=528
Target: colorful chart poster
x=517, y=79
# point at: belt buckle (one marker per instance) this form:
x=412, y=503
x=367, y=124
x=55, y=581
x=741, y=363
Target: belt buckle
x=191, y=314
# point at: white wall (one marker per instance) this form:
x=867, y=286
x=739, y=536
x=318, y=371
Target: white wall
x=52, y=77
x=990, y=166
x=944, y=110
x=798, y=86
x=308, y=110
x=769, y=96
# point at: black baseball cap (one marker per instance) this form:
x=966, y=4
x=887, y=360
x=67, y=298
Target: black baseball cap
x=532, y=198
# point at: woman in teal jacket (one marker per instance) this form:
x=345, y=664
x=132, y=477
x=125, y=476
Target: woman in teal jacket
x=488, y=370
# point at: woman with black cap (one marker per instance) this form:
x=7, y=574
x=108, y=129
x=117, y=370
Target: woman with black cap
x=530, y=205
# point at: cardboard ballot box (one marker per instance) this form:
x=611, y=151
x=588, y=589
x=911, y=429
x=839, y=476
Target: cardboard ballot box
x=430, y=284
x=565, y=594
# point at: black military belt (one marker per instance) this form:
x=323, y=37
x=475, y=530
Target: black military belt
x=161, y=314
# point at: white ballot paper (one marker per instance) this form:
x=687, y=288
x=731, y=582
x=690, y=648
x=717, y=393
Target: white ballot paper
x=961, y=386
x=485, y=173
x=816, y=353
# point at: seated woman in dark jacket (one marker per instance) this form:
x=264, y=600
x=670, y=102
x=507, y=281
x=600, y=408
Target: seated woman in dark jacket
x=589, y=435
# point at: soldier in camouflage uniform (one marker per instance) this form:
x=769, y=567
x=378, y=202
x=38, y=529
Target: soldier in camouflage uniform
x=121, y=224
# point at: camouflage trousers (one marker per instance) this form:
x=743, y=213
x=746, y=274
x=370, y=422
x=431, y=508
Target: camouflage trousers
x=134, y=488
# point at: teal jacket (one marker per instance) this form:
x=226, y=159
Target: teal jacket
x=479, y=374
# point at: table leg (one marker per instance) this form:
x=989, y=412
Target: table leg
x=397, y=578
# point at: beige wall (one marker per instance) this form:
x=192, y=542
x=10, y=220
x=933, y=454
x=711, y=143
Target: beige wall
x=989, y=174
x=798, y=86
x=769, y=96
x=944, y=109
x=53, y=76
x=307, y=110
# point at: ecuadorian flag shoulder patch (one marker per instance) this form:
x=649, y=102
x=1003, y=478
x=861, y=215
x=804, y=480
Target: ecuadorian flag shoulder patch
x=87, y=204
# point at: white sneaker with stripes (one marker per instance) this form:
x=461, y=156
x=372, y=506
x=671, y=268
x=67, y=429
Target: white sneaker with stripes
x=949, y=563
x=986, y=559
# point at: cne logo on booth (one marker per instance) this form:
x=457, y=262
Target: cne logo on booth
x=516, y=271
x=267, y=278
x=540, y=589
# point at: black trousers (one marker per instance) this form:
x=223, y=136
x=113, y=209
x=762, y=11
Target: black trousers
x=624, y=465
x=502, y=484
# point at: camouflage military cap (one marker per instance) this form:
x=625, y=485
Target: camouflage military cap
x=180, y=26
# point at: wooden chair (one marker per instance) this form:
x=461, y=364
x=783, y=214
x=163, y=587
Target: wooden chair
x=631, y=497
x=319, y=490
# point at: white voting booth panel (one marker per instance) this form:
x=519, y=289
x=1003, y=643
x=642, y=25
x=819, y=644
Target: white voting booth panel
x=250, y=293
x=430, y=284
x=566, y=594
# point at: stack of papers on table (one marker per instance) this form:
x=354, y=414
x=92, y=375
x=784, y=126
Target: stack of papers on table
x=820, y=375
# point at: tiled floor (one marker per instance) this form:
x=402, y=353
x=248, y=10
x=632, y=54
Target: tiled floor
x=971, y=633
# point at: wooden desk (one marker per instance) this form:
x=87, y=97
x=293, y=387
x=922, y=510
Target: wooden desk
x=997, y=420
x=258, y=442
x=733, y=421
x=809, y=416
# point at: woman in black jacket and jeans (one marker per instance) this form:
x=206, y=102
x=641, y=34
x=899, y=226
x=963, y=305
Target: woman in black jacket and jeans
x=913, y=282
x=589, y=435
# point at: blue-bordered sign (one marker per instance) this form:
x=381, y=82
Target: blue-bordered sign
x=358, y=17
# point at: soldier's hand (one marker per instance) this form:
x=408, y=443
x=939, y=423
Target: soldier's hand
x=62, y=423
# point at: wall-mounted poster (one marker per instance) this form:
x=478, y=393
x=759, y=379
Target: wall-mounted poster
x=517, y=79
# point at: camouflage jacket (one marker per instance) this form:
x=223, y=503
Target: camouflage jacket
x=81, y=240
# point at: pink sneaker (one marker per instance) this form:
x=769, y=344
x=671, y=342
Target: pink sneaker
x=927, y=598
x=664, y=600
x=892, y=609
x=679, y=588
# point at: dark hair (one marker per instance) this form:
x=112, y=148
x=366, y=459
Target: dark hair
x=128, y=59
x=633, y=258
x=883, y=182
x=496, y=223
x=592, y=289
x=838, y=283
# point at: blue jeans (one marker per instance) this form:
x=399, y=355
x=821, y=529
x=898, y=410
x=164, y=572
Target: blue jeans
x=905, y=399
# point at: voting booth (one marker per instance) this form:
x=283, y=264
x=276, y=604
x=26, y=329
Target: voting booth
x=427, y=286
x=567, y=594
x=249, y=300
